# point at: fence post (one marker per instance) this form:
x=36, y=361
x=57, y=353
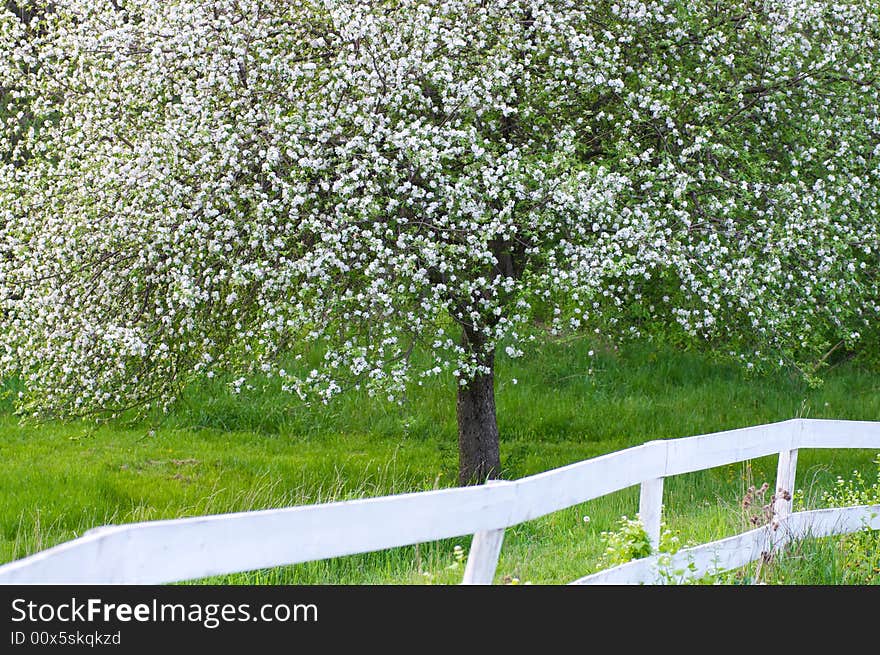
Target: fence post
x=483, y=556
x=650, y=508
x=785, y=472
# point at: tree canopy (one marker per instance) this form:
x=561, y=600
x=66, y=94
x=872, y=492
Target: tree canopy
x=197, y=186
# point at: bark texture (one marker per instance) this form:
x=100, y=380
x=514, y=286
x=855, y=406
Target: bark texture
x=478, y=448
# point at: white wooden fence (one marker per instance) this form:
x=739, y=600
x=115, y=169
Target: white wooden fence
x=166, y=551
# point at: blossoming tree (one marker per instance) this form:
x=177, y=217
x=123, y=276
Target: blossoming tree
x=191, y=186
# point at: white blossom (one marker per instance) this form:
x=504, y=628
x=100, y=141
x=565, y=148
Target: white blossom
x=190, y=186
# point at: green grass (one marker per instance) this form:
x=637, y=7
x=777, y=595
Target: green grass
x=217, y=452
x=809, y=562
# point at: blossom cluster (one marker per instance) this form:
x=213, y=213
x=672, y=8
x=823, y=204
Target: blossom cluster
x=194, y=186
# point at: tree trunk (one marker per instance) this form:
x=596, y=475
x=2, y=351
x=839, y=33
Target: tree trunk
x=478, y=454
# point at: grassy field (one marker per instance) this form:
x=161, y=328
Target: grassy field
x=217, y=452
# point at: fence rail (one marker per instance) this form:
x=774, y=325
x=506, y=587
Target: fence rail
x=182, y=549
